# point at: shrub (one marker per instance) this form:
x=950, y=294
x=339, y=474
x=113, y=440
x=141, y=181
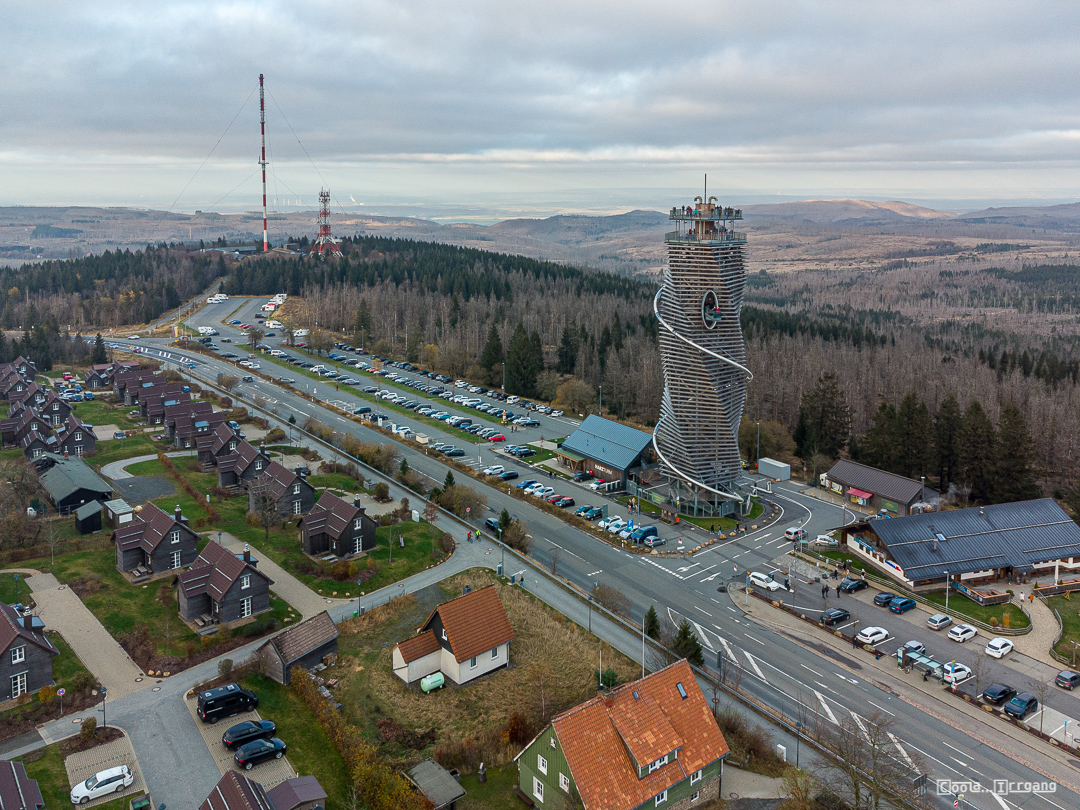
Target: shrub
x=382, y=491
x=224, y=667
x=993, y=621
x=88, y=729
x=447, y=543
x=91, y=583
x=46, y=695
x=83, y=681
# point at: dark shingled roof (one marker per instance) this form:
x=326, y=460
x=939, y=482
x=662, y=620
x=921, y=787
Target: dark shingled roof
x=608, y=442
x=1001, y=535
x=877, y=482
x=296, y=791
x=332, y=515
x=12, y=627
x=278, y=478
x=234, y=791
x=147, y=530
x=298, y=641
x=17, y=790
x=223, y=434
x=214, y=572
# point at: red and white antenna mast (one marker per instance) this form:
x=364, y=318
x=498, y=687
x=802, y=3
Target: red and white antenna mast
x=262, y=160
x=324, y=243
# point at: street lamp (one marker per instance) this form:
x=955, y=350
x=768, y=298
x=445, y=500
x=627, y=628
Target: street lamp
x=601, y=412
x=946, y=591
x=104, y=692
x=798, y=740
x=757, y=463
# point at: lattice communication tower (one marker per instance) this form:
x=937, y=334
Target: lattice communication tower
x=324, y=243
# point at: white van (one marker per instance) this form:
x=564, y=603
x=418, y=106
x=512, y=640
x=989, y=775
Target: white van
x=275, y=325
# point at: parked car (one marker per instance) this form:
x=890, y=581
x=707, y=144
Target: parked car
x=492, y=523
x=494, y=469
x=581, y=510
x=962, y=632
x=642, y=534
x=1067, y=679
x=565, y=501
x=225, y=701
x=938, y=621
x=582, y=477
x=113, y=780
x=652, y=541
x=243, y=733
x=763, y=581
x=616, y=526
x=833, y=616
x=999, y=647
x=593, y=513
x=258, y=751
x=1022, y=705
x=603, y=524
x=454, y=451
x=824, y=541
x=872, y=635
x=528, y=482
x=509, y=475
x=901, y=604
x=595, y=485
x=998, y=693
x=955, y=672
x=883, y=599
x=852, y=585
x=912, y=647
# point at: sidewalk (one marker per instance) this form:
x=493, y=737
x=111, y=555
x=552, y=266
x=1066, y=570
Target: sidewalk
x=961, y=715
x=63, y=611
x=1044, y=632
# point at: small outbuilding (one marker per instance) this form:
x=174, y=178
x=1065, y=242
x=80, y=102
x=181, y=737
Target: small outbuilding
x=299, y=793
x=436, y=783
x=777, y=470
x=88, y=518
x=311, y=642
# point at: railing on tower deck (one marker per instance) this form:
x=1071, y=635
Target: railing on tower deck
x=729, y=236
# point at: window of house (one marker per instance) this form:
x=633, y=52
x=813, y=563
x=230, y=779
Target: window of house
x=258, y=465
x=695, y=778
x=232, y=446
x=357, y=523
x=245, y=582
x=472, y=663
x=660, y=763
x=78, y=436
x=538, y=786
x=295, y=489
x=175, y=561
x=56, y=406
x=541, y=764
x=444, y=634
x=18, y=654
x=36, y=452
x=245, y=607
x=551, y=739
x=357, y=541
x=18, y=684
x=660, y=798
x=78, y=449
x=695, y=796
x=296, y=507
x=494, y=653
x=564, y=782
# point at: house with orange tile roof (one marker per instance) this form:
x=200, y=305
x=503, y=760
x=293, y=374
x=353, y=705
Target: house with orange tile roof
x=464, y=638
x=652, y=743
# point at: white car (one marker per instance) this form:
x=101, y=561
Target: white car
x=595, y=485
x=824, y=541
x=763, y=581
x=999, y=647
x=872, y=635
x=534, y=489
x=626, y=531
x=616, y=526
x=556, y=413
x=954, y=672
x=962, y=632
x=113, y=780
x=938, y=621
x=495, y=469
x=603, y=524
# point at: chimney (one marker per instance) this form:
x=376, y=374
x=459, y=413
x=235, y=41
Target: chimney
x=247, y=553
x=66, y=455
x=356, y=502
x=980, y=511
x=28, y=622
x=935, y=544
x=178, y=514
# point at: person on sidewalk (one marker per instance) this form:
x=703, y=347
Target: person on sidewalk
x=854, y=642
x=837, y=591
x=824, y=591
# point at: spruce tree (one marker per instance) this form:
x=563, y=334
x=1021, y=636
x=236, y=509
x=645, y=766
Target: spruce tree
x=687, y=646
x=826, y=417
x=1014, y=474
x=977, y=463
x=518, y=362
x=947, y=423
x=493, y=350
x=448, y=482
x=99, y=356
x=878, y=446
x=915, y=452
x=652, y=623
x=568, y=351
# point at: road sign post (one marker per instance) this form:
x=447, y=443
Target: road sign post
x=60, y=694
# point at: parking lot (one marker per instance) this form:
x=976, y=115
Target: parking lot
x=268, y=774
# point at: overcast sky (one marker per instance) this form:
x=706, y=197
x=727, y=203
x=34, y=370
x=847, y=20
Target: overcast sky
x=536, y=107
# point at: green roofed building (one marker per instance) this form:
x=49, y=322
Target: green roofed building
x=70, y=482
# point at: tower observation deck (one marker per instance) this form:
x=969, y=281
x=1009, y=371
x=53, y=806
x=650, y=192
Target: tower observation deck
x=703, y=357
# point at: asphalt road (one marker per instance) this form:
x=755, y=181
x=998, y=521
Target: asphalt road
x=777, y=669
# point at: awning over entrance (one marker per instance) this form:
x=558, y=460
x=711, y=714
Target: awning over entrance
x=569, y=455
x=858, y=493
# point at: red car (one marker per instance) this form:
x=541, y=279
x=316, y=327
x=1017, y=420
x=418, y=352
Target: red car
x=498, y=437
x=553, y=498
x=564, y=501
x=245, y=326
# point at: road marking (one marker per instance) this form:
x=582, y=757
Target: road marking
x=723, y=641
x=825, y=706
x=900, y=748
x=804, y=666
x=688, y=567
x=882, y=708
x=859, y=723
x=823, y=686
x=762, y=643
x=753, y=663
x=711, y=577
x=729, y=607
x=714, y=600
x=703, y=634
x=597, y=571
x=846, y=678
x=957, y=750
x=704, y=611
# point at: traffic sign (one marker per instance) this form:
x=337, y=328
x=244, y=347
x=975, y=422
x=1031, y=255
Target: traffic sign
x=60, y=692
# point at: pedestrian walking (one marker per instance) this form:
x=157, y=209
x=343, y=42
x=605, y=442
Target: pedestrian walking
x=837, y=591
x=854, y=642
x=824, y=591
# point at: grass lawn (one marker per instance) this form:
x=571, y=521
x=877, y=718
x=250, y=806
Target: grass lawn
x=13, y=590
x=1070, y=620
x=495, y=794
x=722, y=524
x=149, y=467
x=99, y=412
x=553, y=663
x=47, y=767
x=12, y=454
x=335, y=481
x=111, y=450
x=983, y=613
x=310, y=751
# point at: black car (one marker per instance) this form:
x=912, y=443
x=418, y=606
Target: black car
x=525, y=452
x=454, y=451
x=834, y=616
x=883, y=599
x=852, y=585
x=509, y=475
x=998, y=693
x=245, y=732
x=593, y=513
x=1067, y=679
x=582, y=476
x=259, y=751
x=1022, y=705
